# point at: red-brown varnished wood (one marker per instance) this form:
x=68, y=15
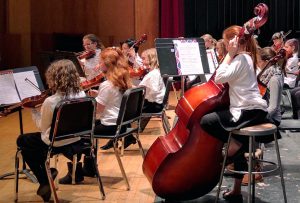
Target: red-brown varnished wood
x=185, y=163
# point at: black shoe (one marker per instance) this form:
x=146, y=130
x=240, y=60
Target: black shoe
x=129, y=140
x=44, y=191
x=88, y=168
x=54, y=173
x=108, y=145
x=232, y=198
x=67, y=179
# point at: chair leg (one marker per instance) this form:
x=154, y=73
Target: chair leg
x=280, y=168
x=116, y=150
x=50, y=179
x=251, y=187
x=98, y=175
x=55, y=166
x=17, y=161
x=165, y=122
x=223, y=169
x=122, y=146
x=74, y=168
x=140, y=145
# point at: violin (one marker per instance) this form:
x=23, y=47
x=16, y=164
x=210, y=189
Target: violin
x=30, y=102
x=93, y=82
x=186, y=163
x=137, y=72
x=86, y=54
x=262, y=84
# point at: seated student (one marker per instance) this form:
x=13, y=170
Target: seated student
x=63, y=80
x=292, y=68
x=109, y=95
x=131, y=53
x=272, y=77
x=90, y=58
x=278, y=41
x=155, y=88
x=246, y=104
x=209, y=41
x=220, y=50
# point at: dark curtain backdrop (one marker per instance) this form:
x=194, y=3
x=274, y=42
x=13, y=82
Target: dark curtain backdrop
x=213, y=16
x=171, y=18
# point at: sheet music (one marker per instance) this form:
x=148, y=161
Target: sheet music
x=26, y=89
x=212, y=60
x=8, y=92
x=188, y=57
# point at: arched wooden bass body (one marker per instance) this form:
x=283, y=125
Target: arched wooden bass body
x=186, y=163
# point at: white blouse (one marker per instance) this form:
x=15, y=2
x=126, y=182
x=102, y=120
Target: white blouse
x=90, y=64
x=43, y=118
x=243, y=88
x=155, y=88
x=291, y=69
x=110, y=97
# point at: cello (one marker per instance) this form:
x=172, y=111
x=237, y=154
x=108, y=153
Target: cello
x=173, y=162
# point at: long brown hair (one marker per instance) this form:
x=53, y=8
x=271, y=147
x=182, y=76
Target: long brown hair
x=250, y=43
x=62, y=76
x=94, y=39
x=117, y=68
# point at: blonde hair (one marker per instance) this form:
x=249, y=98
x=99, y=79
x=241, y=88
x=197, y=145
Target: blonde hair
x=62, y=76
x=250, y=44
x=151, y=55
x=117, y=68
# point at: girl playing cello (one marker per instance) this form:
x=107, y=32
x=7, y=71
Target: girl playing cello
x=246, y=104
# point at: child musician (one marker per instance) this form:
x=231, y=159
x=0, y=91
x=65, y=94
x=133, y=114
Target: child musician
x=64, y=82
x=109, y=95
x=246, y=104
x=155, y=88
x=90, y=57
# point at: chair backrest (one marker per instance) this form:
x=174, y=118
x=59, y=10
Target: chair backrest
x=131, y=105
x=72, y=118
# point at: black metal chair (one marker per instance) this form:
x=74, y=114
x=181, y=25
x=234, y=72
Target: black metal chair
x=130, y=113
x=72, y=118
x=162, y=114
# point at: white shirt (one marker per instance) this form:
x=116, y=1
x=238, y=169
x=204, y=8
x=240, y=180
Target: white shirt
x=291, y=69
x=110, y=97
x=43, y=118
x=243, y=88
x=90, y=64
x=155, y=88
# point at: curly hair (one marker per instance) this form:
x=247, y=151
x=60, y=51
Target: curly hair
x=117, y=68
x=151, y=55
x=62, y=76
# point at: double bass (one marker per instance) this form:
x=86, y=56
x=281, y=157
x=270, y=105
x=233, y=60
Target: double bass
x=186, y=163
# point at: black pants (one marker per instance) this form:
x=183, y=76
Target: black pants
x=101, y=129
x=295, y=96
x=149, y=107
x=34, y=152
x=219, y=125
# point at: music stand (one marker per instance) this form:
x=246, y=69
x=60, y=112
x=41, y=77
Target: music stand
x=19, y=109
x=167, y=60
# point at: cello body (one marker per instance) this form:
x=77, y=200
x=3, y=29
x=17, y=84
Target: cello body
x=186, y=163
